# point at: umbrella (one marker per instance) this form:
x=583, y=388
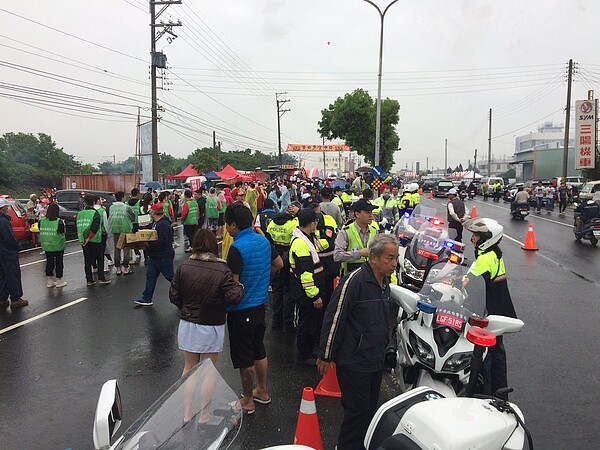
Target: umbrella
x=153, y=185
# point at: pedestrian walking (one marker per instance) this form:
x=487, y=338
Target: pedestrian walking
x=202, y=325
x=355, y=336
x=106, y=243
x=251, y=259
x=10, y=271
x=189, y=217
x=563, y=195
x=213, y=207
x=121, y=221
x=89, y=234
x=52, y=238
x=457, y=213
x=540, y=194
x=160, y=254
x=487, y=234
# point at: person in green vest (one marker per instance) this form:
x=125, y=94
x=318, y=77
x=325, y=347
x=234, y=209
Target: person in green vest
x=213, y=208
x=351, y=243
x=89, y=234
x=121, y=221
x=416, y=197
x=347, y=197
x=336, y=200
x=52, y=238
x=107, y=237
x=387, y=209
x=406, y=203
x=189, y=218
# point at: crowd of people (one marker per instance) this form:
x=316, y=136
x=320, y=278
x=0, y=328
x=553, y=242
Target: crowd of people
x=298, y=240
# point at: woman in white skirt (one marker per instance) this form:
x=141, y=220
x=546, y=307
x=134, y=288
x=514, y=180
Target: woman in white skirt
x=201, y=287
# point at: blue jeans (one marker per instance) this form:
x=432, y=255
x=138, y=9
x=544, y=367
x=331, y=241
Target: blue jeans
x=153, y=270
x=538, y=201
x=550, y=203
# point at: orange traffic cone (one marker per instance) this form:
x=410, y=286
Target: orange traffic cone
x=307, y=429
x=329, y=386
x=473, y=212
x=530, y=240
x=420, y=191
x=430, y=193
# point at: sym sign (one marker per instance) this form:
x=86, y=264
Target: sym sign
x=585, y=134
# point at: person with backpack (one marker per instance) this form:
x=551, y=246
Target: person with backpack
x=264, y=218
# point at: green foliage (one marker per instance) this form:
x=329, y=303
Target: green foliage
x=206, y=159
x=34, y=160
x=353, y=118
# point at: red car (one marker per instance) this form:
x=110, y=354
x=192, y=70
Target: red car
x=18, y=215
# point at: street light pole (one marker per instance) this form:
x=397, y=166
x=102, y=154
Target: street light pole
x=378, y=117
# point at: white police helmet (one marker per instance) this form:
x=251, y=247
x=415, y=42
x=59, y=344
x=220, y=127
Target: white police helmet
x=489, y=230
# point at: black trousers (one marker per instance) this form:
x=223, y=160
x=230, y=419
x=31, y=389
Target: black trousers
x=189, y=231
x=459, y=229
x=54, y=260
x=10, y=277
x=93, y=253
x=494, y=368
x=283, y=304
x=360, y=396
x=307, y=336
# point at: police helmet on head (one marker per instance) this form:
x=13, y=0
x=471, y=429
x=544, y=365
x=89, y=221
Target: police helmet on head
x=489, y=231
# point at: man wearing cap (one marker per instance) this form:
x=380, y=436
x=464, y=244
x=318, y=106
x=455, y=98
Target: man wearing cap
x=10, y=272
x=160, y=254
x=457, y=213
x=306, y=284
x=353, y=239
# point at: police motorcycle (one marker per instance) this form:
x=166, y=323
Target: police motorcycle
x=200, y=411
x=408, y=225
x=432, y=345
x=589, y=230
x=428, y=417
x=431, y=244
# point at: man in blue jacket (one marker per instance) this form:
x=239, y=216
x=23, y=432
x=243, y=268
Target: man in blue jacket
x=160, y=255
x=10, y=272
x=251, y=259
x=355, y=335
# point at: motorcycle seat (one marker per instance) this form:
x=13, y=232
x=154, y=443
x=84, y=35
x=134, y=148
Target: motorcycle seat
x=398, y=442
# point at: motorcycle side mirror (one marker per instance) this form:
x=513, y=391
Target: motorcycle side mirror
x=109, y=414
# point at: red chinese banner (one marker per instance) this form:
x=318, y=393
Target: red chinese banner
x=585, y=134
x=317, y=148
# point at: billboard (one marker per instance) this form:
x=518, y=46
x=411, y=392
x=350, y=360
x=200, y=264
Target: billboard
x=317, y=148
x=585, y=134
x=146, y=151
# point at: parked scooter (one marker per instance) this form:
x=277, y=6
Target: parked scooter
x=589, y=230
x=520, y=212
x=423, y=418
x=432, y=348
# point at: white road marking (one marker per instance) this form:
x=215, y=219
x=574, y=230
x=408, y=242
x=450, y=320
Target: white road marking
x=531, y=214
x=47, y=313
x=514, y=240
x=43, y=260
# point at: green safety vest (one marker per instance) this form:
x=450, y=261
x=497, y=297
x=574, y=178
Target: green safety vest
x=407, y=196
x=212, y=210
x=119, y=219
x=282, y=234
x=346, y=198
x=84, y=221
x=488, y=262
x=192, y=215
x=355, y=242
x=136, y=210
x=51, y=239
x=299, y=249
x=416, y=199
x=167, y=215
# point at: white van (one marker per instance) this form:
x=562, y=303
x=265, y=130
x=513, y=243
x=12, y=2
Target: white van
x=490, y=182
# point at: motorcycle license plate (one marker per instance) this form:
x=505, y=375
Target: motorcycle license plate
x=449, y=321
x=596, y=232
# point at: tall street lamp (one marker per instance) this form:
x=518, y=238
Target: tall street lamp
x=378, y=119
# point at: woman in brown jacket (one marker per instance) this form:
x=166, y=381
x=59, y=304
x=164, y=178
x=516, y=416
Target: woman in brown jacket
x=200, y=288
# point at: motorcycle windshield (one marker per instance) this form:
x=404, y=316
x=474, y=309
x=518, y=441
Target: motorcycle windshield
x=200, y=411
x=454, y=292
x=427, y=245
x=409, y=224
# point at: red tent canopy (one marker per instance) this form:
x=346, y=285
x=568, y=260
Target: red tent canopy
x=228, y=173
x=189, y=171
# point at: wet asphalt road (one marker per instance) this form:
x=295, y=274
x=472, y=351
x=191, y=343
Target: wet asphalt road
x=53, y=367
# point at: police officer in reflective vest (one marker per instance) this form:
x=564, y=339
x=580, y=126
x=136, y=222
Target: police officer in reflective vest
x=326, y=230
x=306, y=284
x=279, y=231
x=352, y=240
x=189, y=217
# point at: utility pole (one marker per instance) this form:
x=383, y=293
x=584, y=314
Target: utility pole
x=219, y=155
x=158, y=60
x=474, y=164
x=324, y=164
x=445, y=157
x=567, y=121
x=280, y=112
x=490, y=145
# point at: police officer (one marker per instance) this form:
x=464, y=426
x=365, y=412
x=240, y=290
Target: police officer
x=415, y=196
x=279, y=231
x=306, y=284
x=338, y=201
x=10, y=272
x=387, y=209
x=352, y=241
x=487, y=234
x=406, y=202
x=346, y=198
x=189, y=218
x=326, y=230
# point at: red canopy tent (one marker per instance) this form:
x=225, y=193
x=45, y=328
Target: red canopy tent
x=228, y=173
x=189, y=171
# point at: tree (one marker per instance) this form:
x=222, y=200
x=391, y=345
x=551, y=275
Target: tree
x=203, y=159
x=353, y=118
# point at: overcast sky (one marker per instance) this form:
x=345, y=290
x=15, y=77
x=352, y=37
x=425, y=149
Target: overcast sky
x=446, y=61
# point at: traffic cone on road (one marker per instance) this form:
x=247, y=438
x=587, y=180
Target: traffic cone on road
x=431, y=193
x=473, y=212
x=329, y=386
x=307, y=429
x=420, y=191
x=530, y=240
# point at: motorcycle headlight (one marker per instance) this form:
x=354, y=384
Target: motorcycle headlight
x=458, y=362
x=412, y=271
x=423, y=351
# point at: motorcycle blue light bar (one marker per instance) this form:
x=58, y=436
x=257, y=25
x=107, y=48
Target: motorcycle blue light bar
x=426, y=307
